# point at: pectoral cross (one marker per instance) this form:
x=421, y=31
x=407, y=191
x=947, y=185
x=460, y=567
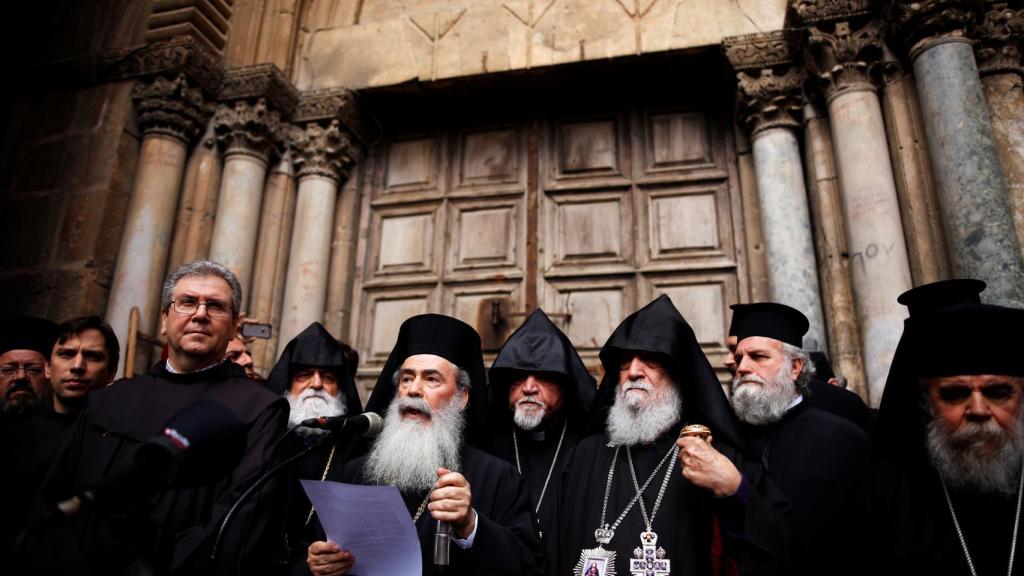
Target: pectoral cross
x=649, y=558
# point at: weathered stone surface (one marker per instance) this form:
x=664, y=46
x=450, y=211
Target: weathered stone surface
x=1005, y=95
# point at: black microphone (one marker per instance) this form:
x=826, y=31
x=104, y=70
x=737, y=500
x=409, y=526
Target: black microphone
x=442, y=542
x=368, y=424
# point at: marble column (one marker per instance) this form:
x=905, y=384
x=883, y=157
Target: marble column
x=337, y=316
x=771, y=109
x=839, y=52
x=753, y=235
x=247, y=132
x=170, y=114
x=193, y=227
x=1002, y=79
x=271, y=257
x=830, y=238
x=323, y=156
x=980, y=230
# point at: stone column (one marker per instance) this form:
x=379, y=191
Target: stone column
x=272, y=256
x=980, y=231
x=840, y=46
x=771, y=105
x=170, y=114
x=830, y=238
x=912, y=168
x=1002, y=79
x=247, y=132
x=752, y=233
x=337, y=316
x=323, y=157
x=197, y=208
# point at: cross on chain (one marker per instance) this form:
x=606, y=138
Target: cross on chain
x=649, y=560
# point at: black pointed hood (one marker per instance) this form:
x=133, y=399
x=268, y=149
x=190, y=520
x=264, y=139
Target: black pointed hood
x=448, y=338
x=659, y=328
x=538, y=346
x=315, y=347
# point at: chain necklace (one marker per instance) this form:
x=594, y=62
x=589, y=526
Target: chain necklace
x=422, y=507
x=330, y=458
x=515, y=446
x=604, y=534
x=960, y=534
x=648, y=521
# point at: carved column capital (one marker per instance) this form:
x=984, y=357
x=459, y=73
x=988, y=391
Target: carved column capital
x=999, y=36
x=319, y=150
x=921, y=24
x=769, y=83
x=170, y=107
x=840, y=54
x=245, y=127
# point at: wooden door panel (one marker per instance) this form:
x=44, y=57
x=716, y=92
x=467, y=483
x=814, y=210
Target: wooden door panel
x=685, y=226
x=404, y=242
x=488, y=158
x=487, y=237
x=588, y=233
x=678, y=143
x=411, y=165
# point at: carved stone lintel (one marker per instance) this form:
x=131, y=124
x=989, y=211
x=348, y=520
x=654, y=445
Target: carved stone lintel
x=756, y=51
x=180, y=55
x=769, y=100
x=999, y=37
x=841, y=56
x=320, y=150
x=260, y=81
x=170, y=107
x=920, y=24
x=809, y=12
x=247, y=128
x=330, y=104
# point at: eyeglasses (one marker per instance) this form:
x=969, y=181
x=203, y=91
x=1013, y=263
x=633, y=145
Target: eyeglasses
x=187, y=306
x=9, y=370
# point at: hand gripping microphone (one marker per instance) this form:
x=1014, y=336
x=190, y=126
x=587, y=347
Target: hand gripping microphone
x=368, y=424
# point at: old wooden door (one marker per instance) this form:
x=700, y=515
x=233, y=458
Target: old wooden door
x=589, y=217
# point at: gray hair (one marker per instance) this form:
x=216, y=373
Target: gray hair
x=462, y=380
x=791, y=353
x=203, y=268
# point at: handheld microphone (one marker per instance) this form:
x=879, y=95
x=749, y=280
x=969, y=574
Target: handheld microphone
x=368, y=424
x=442, y=542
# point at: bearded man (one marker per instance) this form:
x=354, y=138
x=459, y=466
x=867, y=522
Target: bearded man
x=626, y=507
x=317, y=381
x=816, y=457
x=25, y=346
x=943, y=496
x=433, y=390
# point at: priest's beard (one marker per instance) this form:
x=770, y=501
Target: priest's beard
x=640, y=419
x=313, y=403
x=979, y=456
x=758, y=401
x=529, y=414
x=11, y=405
x=408, y=453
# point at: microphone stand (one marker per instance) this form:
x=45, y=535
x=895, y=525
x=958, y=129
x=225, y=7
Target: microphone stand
x=259, y=482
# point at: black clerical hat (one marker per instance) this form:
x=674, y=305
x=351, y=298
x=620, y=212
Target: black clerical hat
x=771, y=320
x=967, y=339
x=822, y=367
x=942, y=294
x=315, y=347
x=28, y=333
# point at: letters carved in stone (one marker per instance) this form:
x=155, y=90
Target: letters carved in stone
x=918, y=24
x=247, y=128
x=170, y=107
x=323, y=151
x=999, y=39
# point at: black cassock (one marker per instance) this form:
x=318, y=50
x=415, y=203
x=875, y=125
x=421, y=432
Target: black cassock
x=505, y=541
x=839, y=401
x=175, y=533
x=818, y=460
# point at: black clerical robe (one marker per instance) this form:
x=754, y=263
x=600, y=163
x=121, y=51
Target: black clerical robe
x=840, y=402
x=505, y=543
x=818, y=460
x=175, y=531
x=906, y=526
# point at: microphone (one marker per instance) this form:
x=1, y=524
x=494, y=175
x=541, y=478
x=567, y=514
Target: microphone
x=442, y=542
x=368, y=424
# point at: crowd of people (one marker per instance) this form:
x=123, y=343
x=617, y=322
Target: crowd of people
x=535, y=466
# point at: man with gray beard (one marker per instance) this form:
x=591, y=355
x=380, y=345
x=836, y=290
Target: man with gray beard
x=640, y=499
x=317, y=381
x=433, y=390
x=815, y=457
x=944, y=496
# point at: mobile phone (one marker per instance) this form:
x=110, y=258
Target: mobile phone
x=256, y=330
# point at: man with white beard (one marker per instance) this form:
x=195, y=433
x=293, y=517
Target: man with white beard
x=815, y=457
x=313, y=375
x=540, y=401
x=627, y=508
x=944, y=495
x=433, y=390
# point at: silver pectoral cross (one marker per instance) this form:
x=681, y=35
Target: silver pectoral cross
x=649, y=558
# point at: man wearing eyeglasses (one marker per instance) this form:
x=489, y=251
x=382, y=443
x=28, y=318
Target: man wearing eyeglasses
x=25, y=345
x=141, y=526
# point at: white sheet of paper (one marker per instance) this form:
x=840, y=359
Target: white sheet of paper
x=371, y=522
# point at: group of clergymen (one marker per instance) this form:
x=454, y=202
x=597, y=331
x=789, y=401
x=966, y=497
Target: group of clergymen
x=535, y=467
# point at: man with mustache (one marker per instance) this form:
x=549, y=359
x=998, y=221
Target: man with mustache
x=434, y=392
x=315, y=377
x=943, y=496
x=541, y=395
x=25, y=346
x=639, y=499
x=815, y=457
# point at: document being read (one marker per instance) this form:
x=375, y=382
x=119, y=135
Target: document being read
x=371, y=522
